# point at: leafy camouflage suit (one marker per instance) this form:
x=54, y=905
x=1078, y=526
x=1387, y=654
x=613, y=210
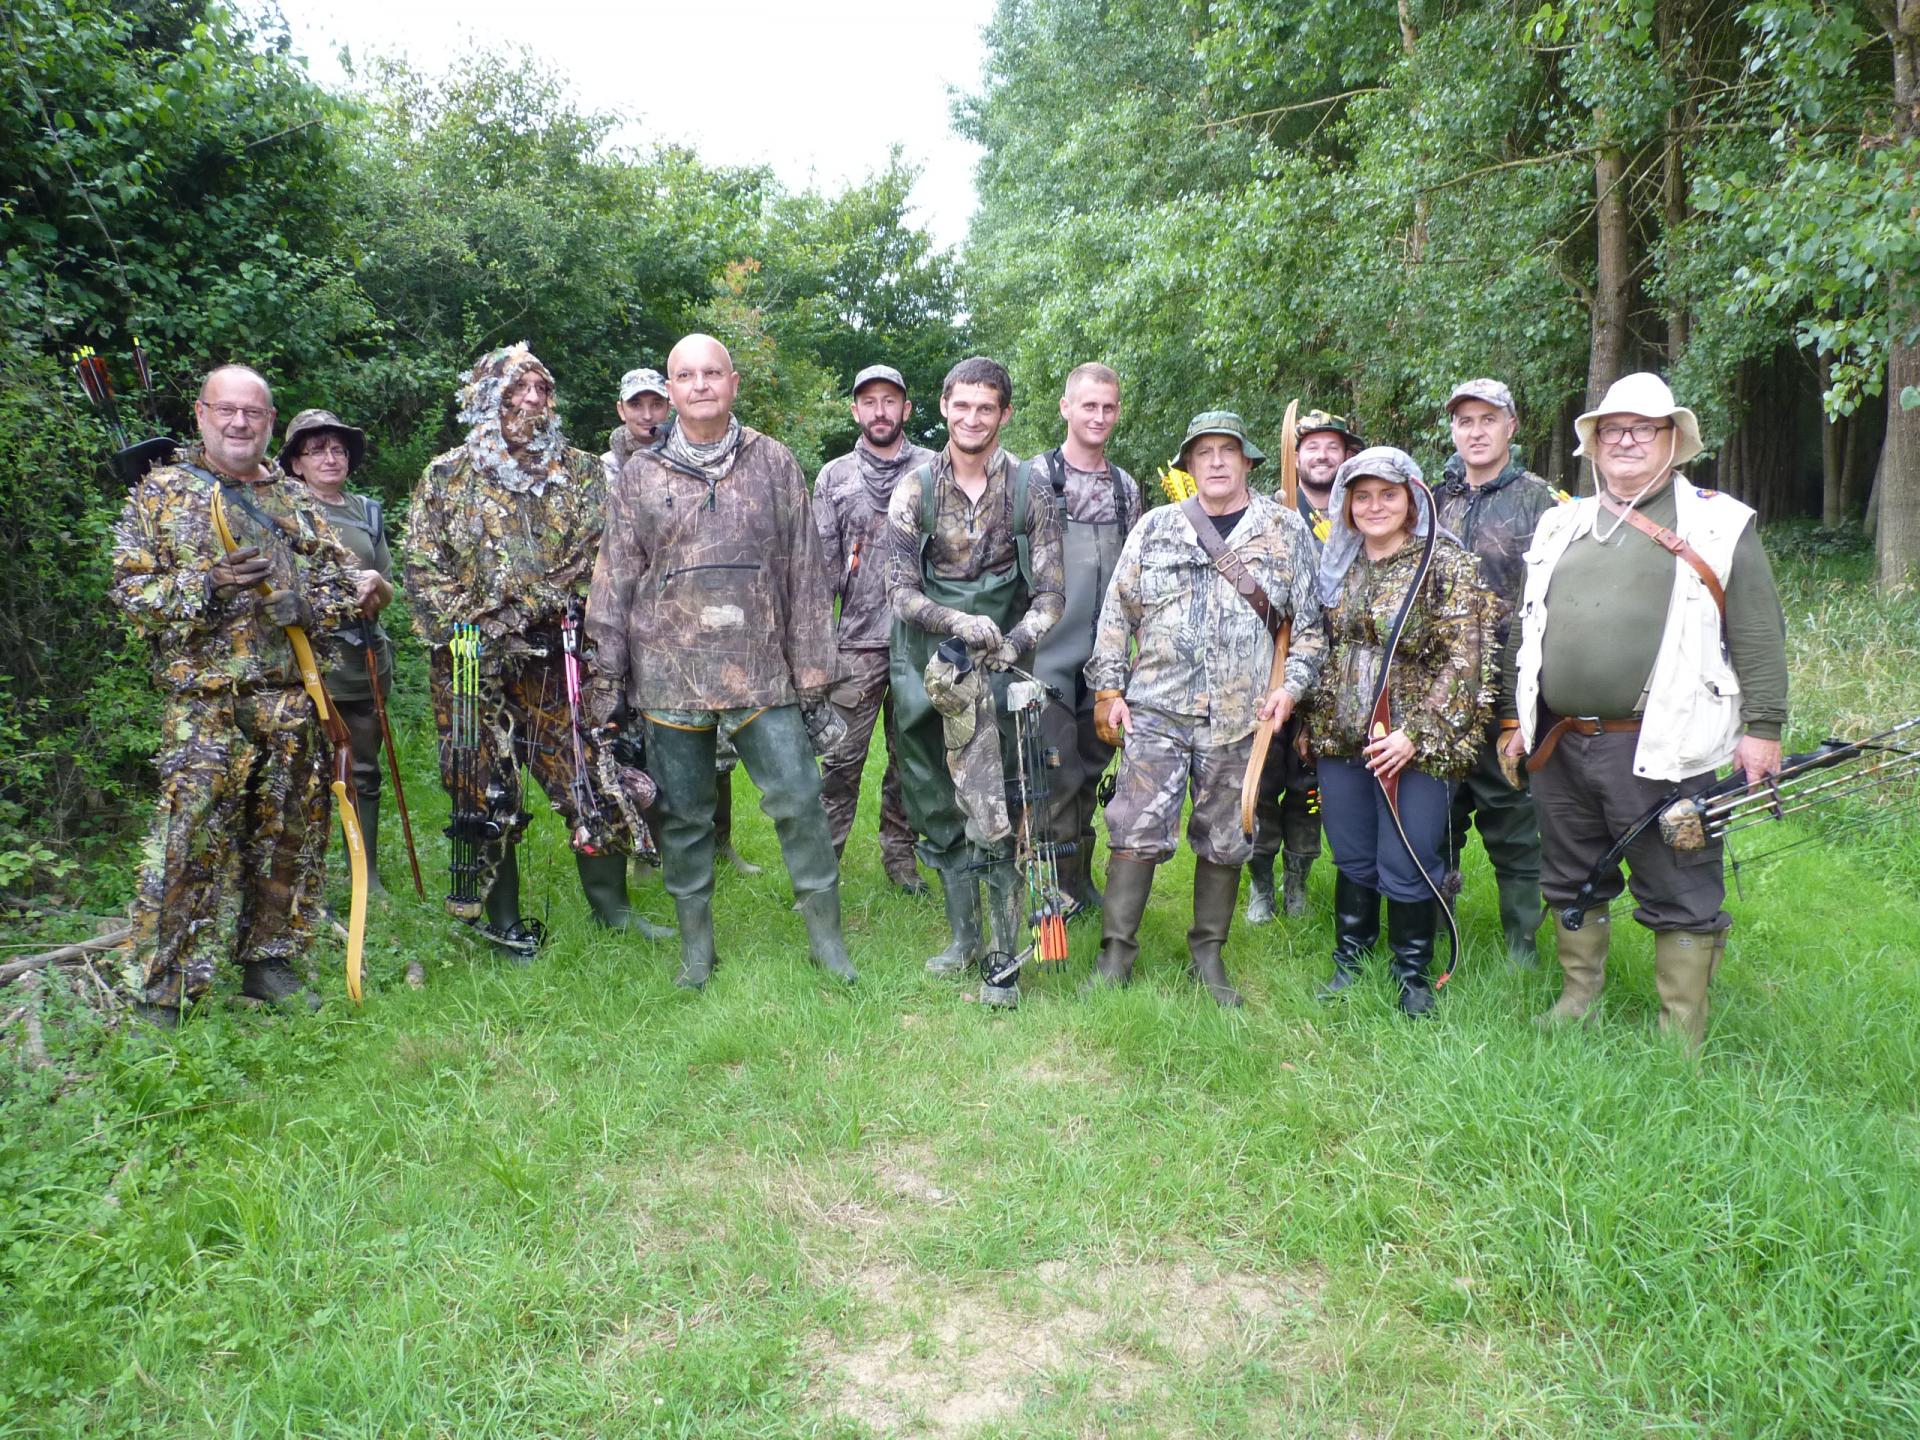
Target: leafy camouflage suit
x=508, y=548
x=850, y=508
x=1495, y=521
x=236, y=857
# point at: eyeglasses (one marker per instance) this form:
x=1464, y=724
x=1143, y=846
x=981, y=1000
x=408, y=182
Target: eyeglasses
x=326, y=450
x=224, y=413
x=1640, y=433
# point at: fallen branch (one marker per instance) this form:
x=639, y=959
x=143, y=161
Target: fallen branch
x=14, y=969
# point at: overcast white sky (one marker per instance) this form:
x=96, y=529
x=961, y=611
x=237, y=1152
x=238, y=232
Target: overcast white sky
x=818, y=89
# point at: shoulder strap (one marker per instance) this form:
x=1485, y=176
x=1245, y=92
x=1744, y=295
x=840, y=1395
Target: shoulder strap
x=1674, y=545
x=924, y=474
x=1231, y=567
x=1057, y=469
x=376, y=519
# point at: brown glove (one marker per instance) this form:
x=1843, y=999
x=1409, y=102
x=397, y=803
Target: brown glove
x=1103, y=726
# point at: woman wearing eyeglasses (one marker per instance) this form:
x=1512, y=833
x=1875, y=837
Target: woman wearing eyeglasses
x=1651, y=651
x=321, y=450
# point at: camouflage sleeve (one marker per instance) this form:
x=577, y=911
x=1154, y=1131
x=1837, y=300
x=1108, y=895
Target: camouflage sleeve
x=1307, y=648
x=910, y=602
x=809, y=639
x=329, y=581
x=1047, y=559
x=826, y=520
x=160, y=562
x=1120, y=614
x=436, y=602
x=621, y=560
x=579, y=547
x=1448, y=720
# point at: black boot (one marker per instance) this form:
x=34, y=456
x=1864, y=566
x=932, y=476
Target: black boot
x=603, y=879
x=1129, y=883
x=825, y=942
x=275, y=983
x=367, y=807
x=999, y=967
x=1356, y=930
x=1259, y=889
x=1293, y=892
x=503, y=927
x=1410, y=928
x=697, y=960
x=1215, y=888
x=960, y=888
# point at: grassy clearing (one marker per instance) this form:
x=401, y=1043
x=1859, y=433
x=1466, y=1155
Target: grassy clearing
x=572, y=1200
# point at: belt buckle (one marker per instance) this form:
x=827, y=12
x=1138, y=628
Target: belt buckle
x=1590, y=725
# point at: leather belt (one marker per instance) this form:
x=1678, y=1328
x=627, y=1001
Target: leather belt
x=1587, y=725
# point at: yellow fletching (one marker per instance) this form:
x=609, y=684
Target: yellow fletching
x=1178, y=484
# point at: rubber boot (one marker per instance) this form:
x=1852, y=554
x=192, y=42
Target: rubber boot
x=1129, y=884
x=603, y=879
x=1684, y=963
x=367, y=808
x=1294, y=890
x=825, y=942
x=1215, y=888
x=503, y=927
x=1583, y=966
x=1520, y=920
x=697, y=960
x=999, y=967
x=1410, y=929
x=723, y=827
x=961, y=890
x=275, y=983
x=1356, y=930
x=1260, y=890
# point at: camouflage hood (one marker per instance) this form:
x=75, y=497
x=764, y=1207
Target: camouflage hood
x=1378, y=462
x=483, y=391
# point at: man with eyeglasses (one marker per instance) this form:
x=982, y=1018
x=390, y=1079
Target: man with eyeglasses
x=711, y=616
x=1651, y=651
x=1492, y=503
x=236, y=858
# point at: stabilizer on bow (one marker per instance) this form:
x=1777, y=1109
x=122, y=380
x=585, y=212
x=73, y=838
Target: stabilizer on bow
x=1037, y=856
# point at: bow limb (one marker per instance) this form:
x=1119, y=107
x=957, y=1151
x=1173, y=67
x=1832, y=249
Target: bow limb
x=1263, y=733
x=345, y=802
x=1382, y=725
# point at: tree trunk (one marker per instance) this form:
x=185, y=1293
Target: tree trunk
x=1613, y=272
x=1898, y=537
x=1866, y=435
x=1673, y=178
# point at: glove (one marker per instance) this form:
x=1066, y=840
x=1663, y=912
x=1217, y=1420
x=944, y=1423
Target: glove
x=826, y=726
x=242, y=570
x=602, y=703
x=979, y=632
x=1005, y=655
x=1103, y=726
x=288, y=607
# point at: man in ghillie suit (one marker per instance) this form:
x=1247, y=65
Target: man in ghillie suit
x=710, y=617
x=236, y=858
x=501, y=536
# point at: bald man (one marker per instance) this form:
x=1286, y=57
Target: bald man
x=711, y=616
x=236, y=857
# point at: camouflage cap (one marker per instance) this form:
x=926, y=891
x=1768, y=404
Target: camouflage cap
x=880, y=372
x=1220, y=422
x=643, y=382
x=1491, y=391
x=309, y=422
x=1317, y=422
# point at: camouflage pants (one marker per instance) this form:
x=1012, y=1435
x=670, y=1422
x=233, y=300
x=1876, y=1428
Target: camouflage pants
x=236, y=858
x=862, y=699
x=523, y=721
x=1163, y=759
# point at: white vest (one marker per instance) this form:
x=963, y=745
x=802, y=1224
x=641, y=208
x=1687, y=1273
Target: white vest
x=1691, y=717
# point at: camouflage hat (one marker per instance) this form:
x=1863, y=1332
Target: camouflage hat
x=1317, y=422
x=1220, y=422
x=309, y=422
x=1491, y=391
x=643, y=382
x=879, y=372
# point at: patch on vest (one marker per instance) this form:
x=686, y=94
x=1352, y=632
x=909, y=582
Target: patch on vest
x=722, y=617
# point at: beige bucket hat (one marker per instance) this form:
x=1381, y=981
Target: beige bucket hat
x=1642, y=393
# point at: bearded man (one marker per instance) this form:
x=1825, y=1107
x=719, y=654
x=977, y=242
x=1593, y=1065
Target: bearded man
x=850, y=508
x=502, y=535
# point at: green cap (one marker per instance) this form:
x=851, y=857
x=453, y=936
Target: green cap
x=1316, y=422
x=1221, y=422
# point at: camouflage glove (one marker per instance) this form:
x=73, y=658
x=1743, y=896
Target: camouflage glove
x=978, y=632
x=241, y=570
x=1004, y=656
x=603, y=702
x=1103, y=726
x=288, y=608
x=826, y=727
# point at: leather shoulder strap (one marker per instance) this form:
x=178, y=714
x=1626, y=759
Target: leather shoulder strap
x=1673, y=544
x=1231, y=567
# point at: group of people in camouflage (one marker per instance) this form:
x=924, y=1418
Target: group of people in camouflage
x=1408, y=648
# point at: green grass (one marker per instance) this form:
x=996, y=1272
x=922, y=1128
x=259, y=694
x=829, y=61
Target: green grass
x=572, y=1200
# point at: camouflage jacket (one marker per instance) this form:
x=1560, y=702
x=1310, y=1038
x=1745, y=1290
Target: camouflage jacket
x=969, y=539
x=1441, y=691
x=163, y=546
x=712, y=597
x=1495, y=521
x=505, y=560
x=1204, y=653
x=850, y=508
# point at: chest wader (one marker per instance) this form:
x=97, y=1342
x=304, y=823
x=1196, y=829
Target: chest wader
x=1092, y=552
x=1002, y=596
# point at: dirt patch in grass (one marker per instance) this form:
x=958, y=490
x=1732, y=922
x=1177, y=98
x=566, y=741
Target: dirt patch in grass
x=935, y=1359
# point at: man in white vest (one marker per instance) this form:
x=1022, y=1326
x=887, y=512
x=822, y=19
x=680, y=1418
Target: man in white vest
x=1651, y=652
